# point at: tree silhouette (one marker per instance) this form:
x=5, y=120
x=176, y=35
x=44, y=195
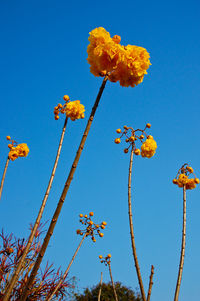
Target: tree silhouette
x=124, y=293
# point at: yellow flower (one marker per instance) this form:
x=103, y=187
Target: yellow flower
x=148, y=147
x=126, y=64
x=22, y=150
x=183, y=179
x=13, y=155
x=74, y=110
x=100, y=256
x=109, y=256
x=190, y=184
x=190, y=169
x=8, y=137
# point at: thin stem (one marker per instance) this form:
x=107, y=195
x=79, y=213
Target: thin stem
x=37, y=222
x=113, y=285
x=100, y=287
x=3, y=177
x=63, y=195
x=178, y=284
x=131, y=229
x=67, y=270
x=150, y=283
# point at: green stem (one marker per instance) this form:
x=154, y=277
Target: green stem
x=131, y=229
x=3, y=177
x=63, y=195
x=16, y=274
x=178, y=284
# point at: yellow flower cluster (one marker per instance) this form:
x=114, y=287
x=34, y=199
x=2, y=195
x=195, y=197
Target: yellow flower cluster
x=20, y=150
x=182, y=178
x=126, y=64
x=149, y=147
x=73, y=109
x=92, y=229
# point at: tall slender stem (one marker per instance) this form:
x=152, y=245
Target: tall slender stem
x=67, y=270
x=3, y=177
x=131, y=229
x=16, y=274
x=113, y=285
x=178, y=284
x=150, y=283
x=100, y=287
x=63, y=195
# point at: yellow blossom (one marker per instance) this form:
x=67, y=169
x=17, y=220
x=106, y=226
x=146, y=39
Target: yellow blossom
x=148, y=147
x=183, y=180
x=74, y=110
x=22, y=150
x=13, y=155
x=126, y=64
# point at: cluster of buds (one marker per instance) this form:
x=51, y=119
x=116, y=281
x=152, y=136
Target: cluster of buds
x=148, y=147
x=91, y=229
x=16, y=150
x=73, y=109
x=106, y=260
x=182, y=177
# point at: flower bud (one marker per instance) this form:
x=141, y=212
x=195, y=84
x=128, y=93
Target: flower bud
x=117, y=140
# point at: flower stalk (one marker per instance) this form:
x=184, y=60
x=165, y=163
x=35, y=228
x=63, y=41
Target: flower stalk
x=107, y=261
x=150, y=283
x=178, y=284
x=113, y=285
x=16, y=274
x=63, y=194
x=3, y=177
x=100, y=287
x=131, y=228
x=67, y=270
x=91, y=229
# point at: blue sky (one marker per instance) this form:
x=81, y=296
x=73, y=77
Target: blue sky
x=43, y=56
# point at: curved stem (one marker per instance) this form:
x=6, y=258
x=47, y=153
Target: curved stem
x=178, y=284
x=100, y=286
x=113, y=285
x=131, y=229
x=150, y=283
x=67, y=270
x=3, y=177
x=16, y=274
x=63, y=195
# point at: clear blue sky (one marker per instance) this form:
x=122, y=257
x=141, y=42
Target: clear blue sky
x=43, y=56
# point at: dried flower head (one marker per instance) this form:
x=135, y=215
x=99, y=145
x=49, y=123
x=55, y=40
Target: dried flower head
x=148, y=147
x=182, y=177
x=126, y=64
x=73, y=109
x=91, y=229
